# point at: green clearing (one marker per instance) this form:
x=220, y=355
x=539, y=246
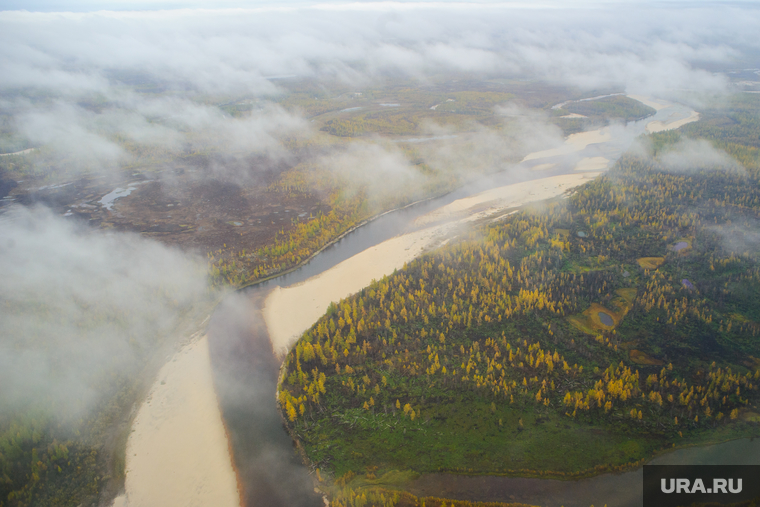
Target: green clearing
x=590, y=322
x=464, y=434
x=640, y=357
x=650, y=262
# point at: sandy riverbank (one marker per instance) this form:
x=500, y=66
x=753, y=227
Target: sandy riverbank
x=543, y=167
x=659, y=126
x=580, y=141
x=592, y=164
x=177, y=453
x=290, y=311
x=649, y=101
x=574, y=143
x=22, y=152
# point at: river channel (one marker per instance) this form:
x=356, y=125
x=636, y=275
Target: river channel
x=270, y=470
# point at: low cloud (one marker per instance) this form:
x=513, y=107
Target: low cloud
x=82, y=310
x=378, y=169
x=236, y=50
x=74, y=133
x=489, y=149
x=692, y=155
x=440, y=157
x=65, y=76
x=129, y=128
x=739, y=238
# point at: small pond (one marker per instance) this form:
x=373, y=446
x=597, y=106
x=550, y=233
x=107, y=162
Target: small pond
x=606, y=319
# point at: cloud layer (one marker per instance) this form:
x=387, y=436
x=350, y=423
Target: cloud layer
x=235, y=50
x=692, y=155
x=82, y=83
x=80, y=310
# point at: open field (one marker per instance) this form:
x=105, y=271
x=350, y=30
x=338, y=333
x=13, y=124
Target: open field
x=650, y=262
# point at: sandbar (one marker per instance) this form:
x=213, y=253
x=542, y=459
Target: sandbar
x=648, y=101
x=659, y=126
x=542, y=167
x=592, y=164
x=177, y=453
x=290, y=311
x=574, y=143
x=503, y=197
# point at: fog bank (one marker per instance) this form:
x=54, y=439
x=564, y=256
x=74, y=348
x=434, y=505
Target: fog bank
x=81, y=310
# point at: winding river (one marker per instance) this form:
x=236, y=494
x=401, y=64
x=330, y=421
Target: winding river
x=245, y=367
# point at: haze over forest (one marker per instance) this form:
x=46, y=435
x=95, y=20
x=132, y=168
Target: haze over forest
x=175, y=100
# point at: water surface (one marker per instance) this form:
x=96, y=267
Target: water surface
x=606, y=319
x=614, y=490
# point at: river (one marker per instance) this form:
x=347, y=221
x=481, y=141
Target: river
x=246, y=368
x=613, y=490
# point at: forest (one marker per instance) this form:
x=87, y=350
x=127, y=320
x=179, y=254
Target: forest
x=623, y=319
x=617, y=108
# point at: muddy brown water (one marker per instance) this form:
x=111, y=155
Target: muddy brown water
x=245, y=375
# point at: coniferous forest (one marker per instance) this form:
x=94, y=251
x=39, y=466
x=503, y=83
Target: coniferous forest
x=563, y=341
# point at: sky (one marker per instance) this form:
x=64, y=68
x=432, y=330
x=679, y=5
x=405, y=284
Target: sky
x=98, y=5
